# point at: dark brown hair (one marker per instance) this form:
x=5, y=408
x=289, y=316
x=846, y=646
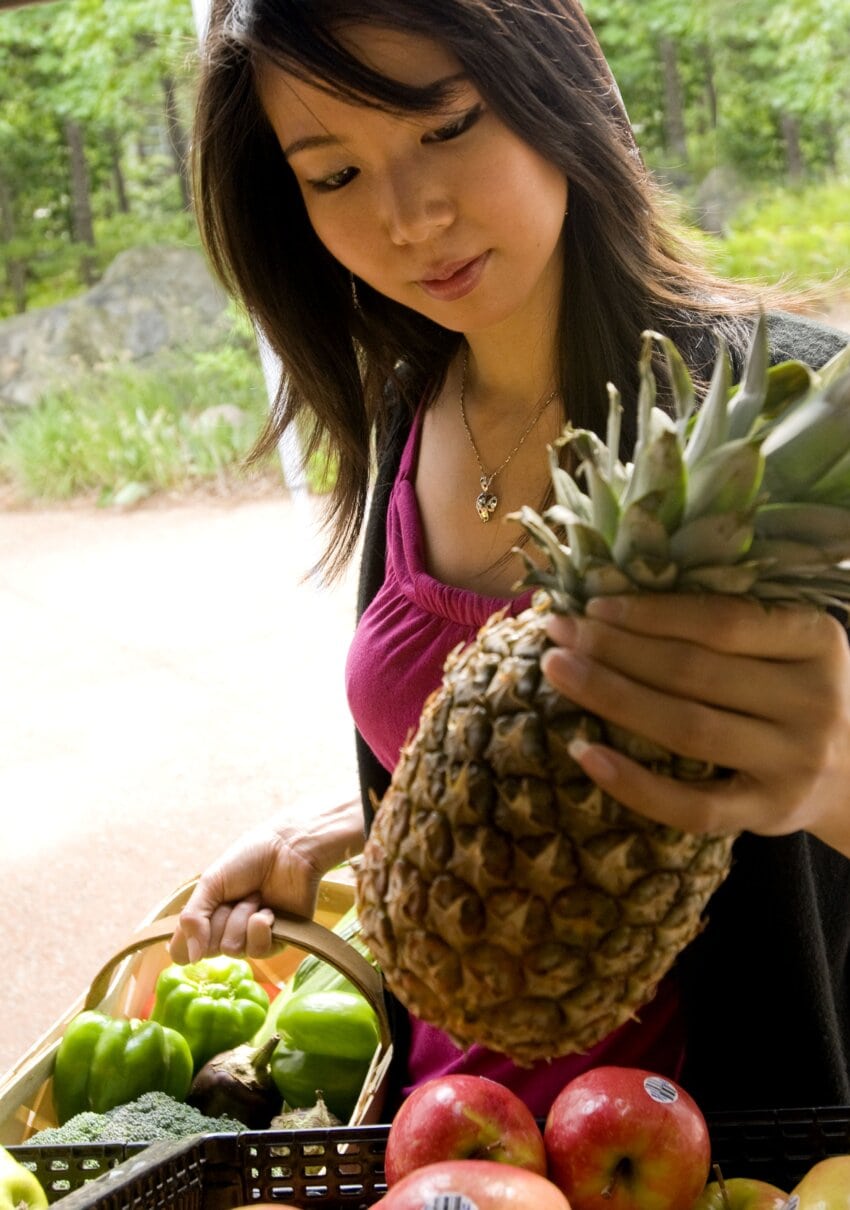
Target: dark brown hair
x=540, y=67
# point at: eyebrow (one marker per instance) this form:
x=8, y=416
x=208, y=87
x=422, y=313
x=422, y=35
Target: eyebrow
x=311, y=141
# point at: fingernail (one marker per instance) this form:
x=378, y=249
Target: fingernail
x=564, y=665
x=193, y=948
x=592, y=759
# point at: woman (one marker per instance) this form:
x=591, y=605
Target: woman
x=438, y=215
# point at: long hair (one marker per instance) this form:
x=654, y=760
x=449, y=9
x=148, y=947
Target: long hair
x=348, y=363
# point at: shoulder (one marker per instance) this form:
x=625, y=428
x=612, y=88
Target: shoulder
x=795, y=337
x=791, y=337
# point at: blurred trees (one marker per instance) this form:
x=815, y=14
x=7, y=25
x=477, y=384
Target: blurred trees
x=94, y=99
x=761, y=86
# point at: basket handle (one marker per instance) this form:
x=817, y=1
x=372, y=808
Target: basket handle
x=307, y=934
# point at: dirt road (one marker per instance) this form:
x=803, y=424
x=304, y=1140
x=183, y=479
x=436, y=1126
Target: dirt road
x=166, y=682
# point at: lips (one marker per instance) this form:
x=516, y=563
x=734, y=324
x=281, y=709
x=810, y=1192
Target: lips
x=454, y=279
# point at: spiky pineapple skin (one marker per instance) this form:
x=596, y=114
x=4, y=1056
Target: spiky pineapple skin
x=507, y=898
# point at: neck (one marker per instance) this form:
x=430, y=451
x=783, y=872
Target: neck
x=504, y=383
x=512, y=366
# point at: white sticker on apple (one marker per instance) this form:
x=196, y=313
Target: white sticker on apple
x=792, y=1203
x=661, y=1090
x=450, y=1201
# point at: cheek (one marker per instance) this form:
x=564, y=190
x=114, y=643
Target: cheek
x=341, y=233
x=523, y=193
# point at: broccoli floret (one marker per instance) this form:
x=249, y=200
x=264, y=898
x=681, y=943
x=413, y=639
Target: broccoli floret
x=154, y=1115
x=84, y=1128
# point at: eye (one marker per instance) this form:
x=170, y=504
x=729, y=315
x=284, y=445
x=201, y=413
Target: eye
x=336, y=180
x=455, y=128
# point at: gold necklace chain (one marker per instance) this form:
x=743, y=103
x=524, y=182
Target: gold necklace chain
x=487, y=502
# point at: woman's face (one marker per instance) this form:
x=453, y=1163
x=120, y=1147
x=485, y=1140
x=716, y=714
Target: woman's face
x=450, y=213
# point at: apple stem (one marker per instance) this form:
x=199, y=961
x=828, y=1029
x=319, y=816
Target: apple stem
x=724, y=1193
x=611, y=1188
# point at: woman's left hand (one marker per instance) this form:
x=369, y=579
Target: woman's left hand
x=763, y=691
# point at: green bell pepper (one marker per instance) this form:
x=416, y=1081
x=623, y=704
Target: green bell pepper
x=20, y=1189
x=106, y=1061
x=215, y=1004
x=327, y=1040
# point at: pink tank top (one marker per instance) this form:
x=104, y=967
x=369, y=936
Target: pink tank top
x=394, y=662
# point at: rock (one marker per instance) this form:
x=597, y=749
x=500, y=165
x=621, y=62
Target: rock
x=150, y=302
x=719, y=194
x=220, y=414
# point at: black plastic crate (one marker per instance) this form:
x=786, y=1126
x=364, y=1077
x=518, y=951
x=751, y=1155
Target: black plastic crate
x=342, y=1168
x=62, y=1168
x=778, y=1145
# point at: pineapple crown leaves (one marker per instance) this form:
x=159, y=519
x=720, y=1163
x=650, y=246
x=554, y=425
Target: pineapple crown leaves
x=750, y=493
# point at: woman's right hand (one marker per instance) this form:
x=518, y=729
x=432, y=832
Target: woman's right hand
x=277, y=866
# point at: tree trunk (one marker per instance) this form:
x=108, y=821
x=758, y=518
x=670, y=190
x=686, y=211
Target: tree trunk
x=16, y=267
x=118, y=183
x=82, y=226
x=830, y=142
x=674, y=105
x=177, y=139
x=790, y=127
x=707, y=60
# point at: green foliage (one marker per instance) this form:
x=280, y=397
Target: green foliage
x=745, y=68
x=125, y=432
x=105, y=64
x=321, y=472
x=800, y=236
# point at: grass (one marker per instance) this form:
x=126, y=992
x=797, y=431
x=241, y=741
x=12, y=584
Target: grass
x=124, y=433
x=798, y=236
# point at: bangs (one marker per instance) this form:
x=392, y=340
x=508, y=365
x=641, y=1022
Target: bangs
x=302, y=38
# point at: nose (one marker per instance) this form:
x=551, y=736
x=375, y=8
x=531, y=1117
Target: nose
x=417, y=205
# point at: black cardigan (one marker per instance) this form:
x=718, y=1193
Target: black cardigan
x=766, y=986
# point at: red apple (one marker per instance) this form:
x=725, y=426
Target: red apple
x=618, y=1138
x=742, y=1193
x=458, y=1118
x=473, y=1185
x=824, y=1187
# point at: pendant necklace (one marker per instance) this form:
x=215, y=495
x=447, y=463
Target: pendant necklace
x=487, y=501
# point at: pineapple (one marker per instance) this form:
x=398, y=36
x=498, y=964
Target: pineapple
x=509, y=900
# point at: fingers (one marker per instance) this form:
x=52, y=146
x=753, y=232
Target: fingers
x=717, y=806
x=764, y=692
x=689, y=727
x=191, y=939
x=258, y=933
x=242, y=928
x=232, y=928
x=723, y=622
x=730, y=707
x=678, y=668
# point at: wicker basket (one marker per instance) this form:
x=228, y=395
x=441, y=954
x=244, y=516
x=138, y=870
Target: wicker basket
x=124, y=987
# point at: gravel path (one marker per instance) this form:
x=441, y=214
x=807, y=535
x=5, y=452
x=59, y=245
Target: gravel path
x=167, y=681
